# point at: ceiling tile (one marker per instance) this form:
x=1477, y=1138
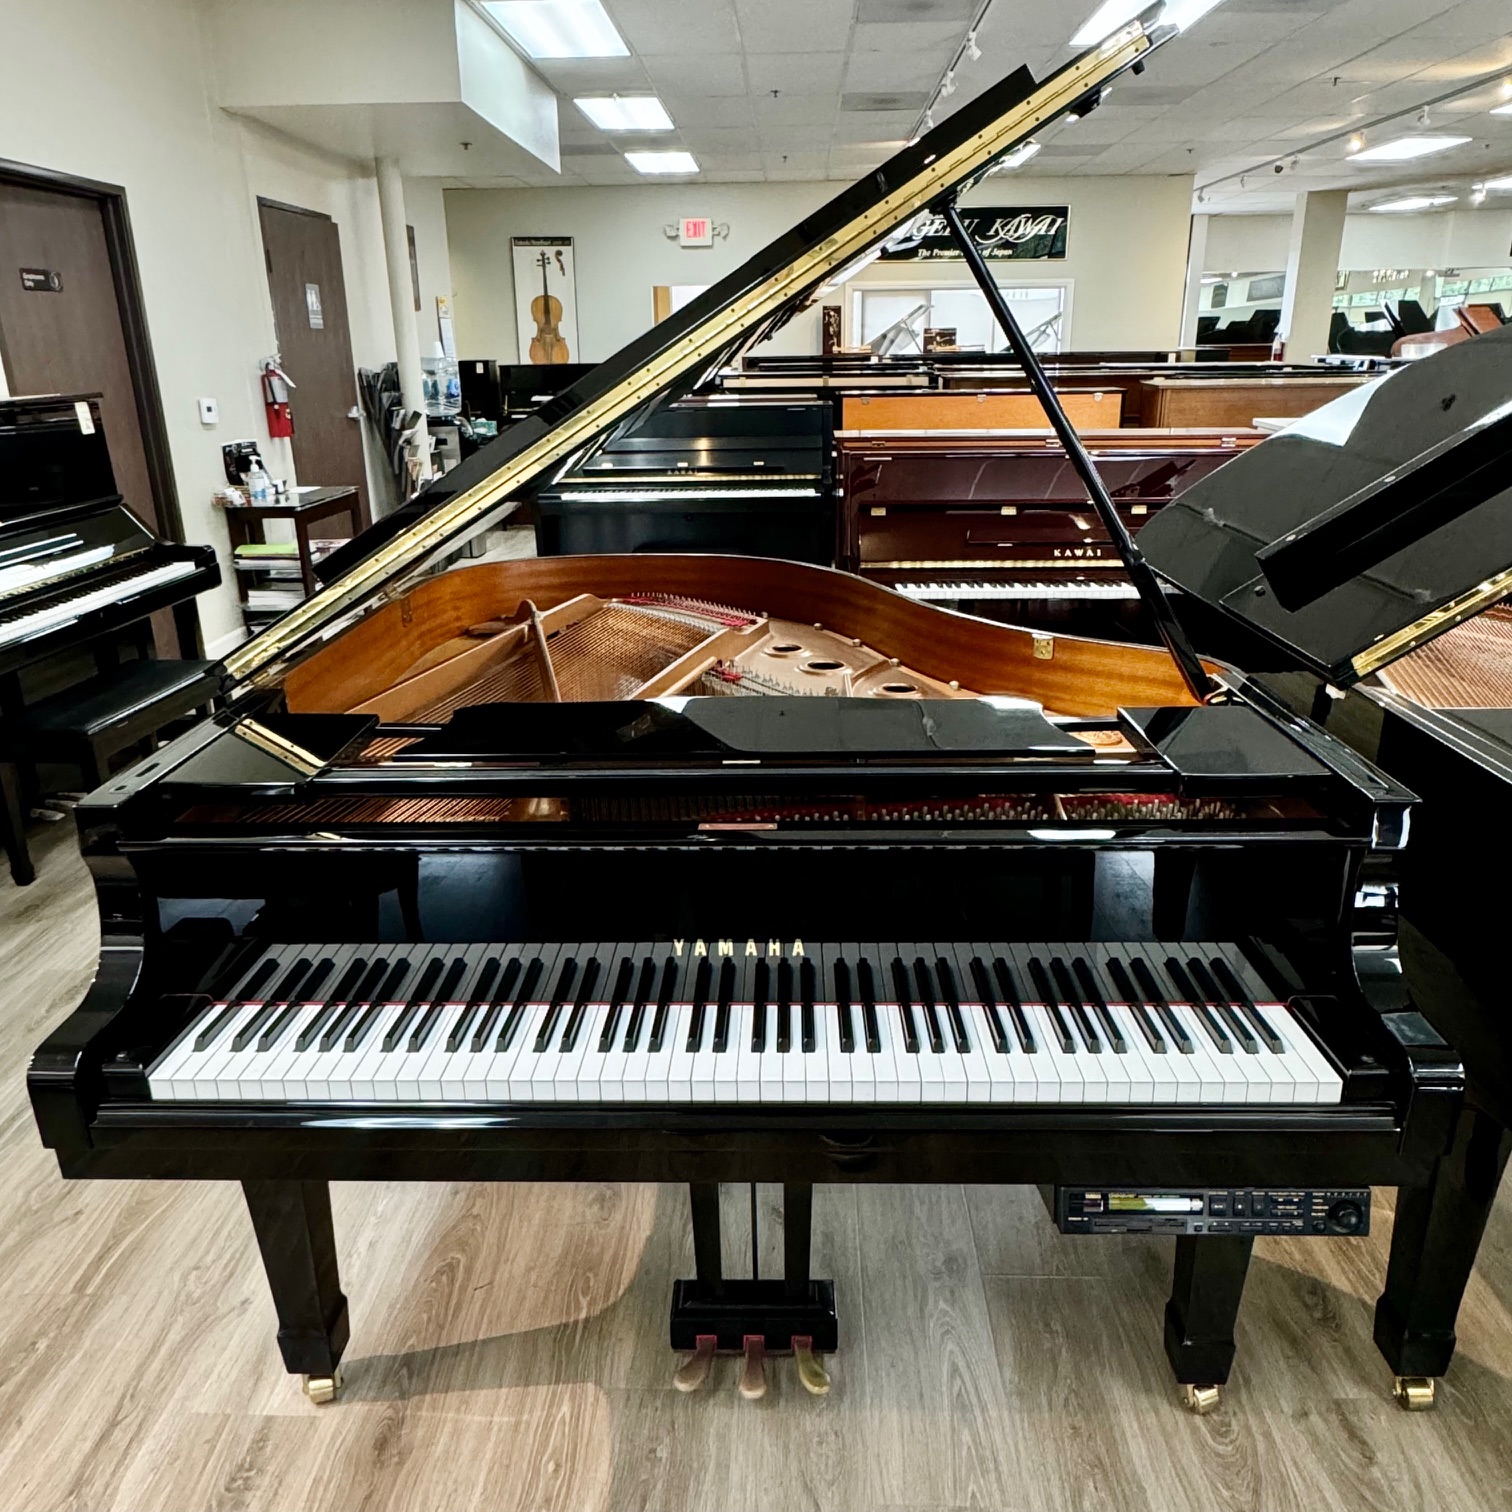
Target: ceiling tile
x=704, y=74
x=794, y=109
x=794, y=25
x=961, y=12
x=884, y=102
x=802, y=73
x=914, y=69
x=677, y=26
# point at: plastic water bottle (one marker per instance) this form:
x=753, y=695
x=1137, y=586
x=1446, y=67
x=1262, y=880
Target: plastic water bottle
x=259, y=485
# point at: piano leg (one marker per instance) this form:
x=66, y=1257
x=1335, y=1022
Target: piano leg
x=1433, y=1243
x=292, y=1220
x=13, y=825
x=708, y=1261
x=1199, y=1318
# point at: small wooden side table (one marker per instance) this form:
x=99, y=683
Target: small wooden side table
x=244, y=522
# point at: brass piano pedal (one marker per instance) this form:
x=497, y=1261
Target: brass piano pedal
x=1414, y=1393
x=811, y=1372
x=1201, y=1400
x=323, y=1388
x=693, y=1373
x=753, y=1381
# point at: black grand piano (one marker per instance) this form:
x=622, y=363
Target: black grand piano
x=722, y=869
x=77, y=568
x=1358, y=564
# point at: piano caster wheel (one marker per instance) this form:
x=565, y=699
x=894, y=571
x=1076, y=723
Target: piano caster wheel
x=753, y=1381
x=1414, y=1393
x=693, y=1373
x=323, y=1389
x=1201, y=1400
x=811, y=1372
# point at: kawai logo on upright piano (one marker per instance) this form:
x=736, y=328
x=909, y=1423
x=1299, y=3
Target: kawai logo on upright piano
x=737, y=947
x=1077, y=553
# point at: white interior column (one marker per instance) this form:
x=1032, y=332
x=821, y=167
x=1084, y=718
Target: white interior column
x=1196, y=267
x=402, y=298
x=1312, y=270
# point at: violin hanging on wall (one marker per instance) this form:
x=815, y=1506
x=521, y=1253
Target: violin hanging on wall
x=548, y=345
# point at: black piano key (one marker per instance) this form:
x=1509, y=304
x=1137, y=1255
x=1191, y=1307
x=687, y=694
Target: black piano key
x=277, y=1029
x=566, y=976
x=1070, y=996
x=984, y=990
x=1042, y=985
x=845, y=1013
x=1126, y=990
x=250, y=990
x=619, y=991
x=1200, y=1010
x=1013, y=1001
x=703, y=979
x=516, y=1007
x=925, y=992
x=806, y=993
x=866, y=985
x=216, y=1027
x=366, y=1020
x=903, y=991
x=1092, y=996
x=663, y=1015
x=254, y=1025
x=1246, y=1004
x=338, y=999
x=346, y=1016
x=272, y=1010
x=437, y=1005
x=394, y=1036
x=945, y=975
x=579, y=1012
x=480, y=999
x=643, y=988
x=722, y=1013
x=1227, y=1014
x=784, y=1008
x=760, y=993
x=1156, y=999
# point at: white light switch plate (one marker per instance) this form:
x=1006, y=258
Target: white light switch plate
x=209, y=412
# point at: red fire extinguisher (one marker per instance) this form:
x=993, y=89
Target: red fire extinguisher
x=275, y=386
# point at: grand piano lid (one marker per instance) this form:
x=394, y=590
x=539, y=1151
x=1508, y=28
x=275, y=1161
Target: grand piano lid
x=755, y=299
x=1366, y=528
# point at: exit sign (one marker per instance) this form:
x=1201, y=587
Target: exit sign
x=697, y=231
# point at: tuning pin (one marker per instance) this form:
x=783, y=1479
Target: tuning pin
x=694, y=1371
x=811, y=1372
x=753, y=1381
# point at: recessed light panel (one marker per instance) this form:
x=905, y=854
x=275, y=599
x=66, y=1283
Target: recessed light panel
x=559, y=28
x=1407, y=147
x=1498, y=183
x=625, y=112
x=662, y=162
x=1413, y=202
x=1502, y=110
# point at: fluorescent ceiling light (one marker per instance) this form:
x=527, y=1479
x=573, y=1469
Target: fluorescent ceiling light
x=559, y=28
x=1498, y=183
x=1505, y=110
x=1112, y=14
x=662, y=162
x=1019, y=156
x=1415, y=202
x=625, y=112
x=1403, y=148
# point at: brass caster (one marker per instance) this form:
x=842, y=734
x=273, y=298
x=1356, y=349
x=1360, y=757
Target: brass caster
x=323, y=1389
x=1201, y=1399
x=1414, y=1393
x=753, y=1382
x=811, y=1372
x=693, y=1373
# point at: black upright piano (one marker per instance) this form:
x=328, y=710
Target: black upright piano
x=712, y=869
x=78, y=570
x=1358, y=562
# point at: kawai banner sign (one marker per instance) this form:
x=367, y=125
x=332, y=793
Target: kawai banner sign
x=1004, y=233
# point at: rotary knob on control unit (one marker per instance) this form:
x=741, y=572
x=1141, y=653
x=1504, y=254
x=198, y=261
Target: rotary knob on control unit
x=1346, y=1217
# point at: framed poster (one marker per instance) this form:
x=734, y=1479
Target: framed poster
x=545, y=283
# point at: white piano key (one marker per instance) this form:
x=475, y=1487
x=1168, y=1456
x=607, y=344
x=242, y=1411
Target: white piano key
x=749, y=1059
x=907, y=1076
x=794, y=1063
x=727, y=1061
x=816, y=1062
x=1059, y=1075
x=838, y=1064
x=669, y=1071
x=704, y=1058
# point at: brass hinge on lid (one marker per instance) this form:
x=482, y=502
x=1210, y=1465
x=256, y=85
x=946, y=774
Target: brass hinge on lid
x=1044, y=647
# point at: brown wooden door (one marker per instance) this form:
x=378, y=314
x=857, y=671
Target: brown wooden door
x=303, y=253
x=71, y=341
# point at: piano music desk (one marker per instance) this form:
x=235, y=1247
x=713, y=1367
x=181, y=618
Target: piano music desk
x=245, y=523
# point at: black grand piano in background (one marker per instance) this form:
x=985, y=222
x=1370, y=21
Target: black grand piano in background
x=1357, y=564
x=496, y=851
x=79, y=572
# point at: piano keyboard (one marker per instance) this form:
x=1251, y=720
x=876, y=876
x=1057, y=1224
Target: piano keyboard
x=61, y=611
x=1017, y=590
x=625, y=495
x=1108, y=1024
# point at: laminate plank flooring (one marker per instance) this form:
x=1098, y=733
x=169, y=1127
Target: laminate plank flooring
x=508, y=1345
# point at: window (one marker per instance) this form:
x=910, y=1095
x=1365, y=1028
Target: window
x=900, y=315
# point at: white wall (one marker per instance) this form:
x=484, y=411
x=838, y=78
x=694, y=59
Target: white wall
x=424, y=209
x=1461, y=238
x=119, y=91
x=1126, y=254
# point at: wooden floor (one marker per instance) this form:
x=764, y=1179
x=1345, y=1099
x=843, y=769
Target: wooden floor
x=508, y=1346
